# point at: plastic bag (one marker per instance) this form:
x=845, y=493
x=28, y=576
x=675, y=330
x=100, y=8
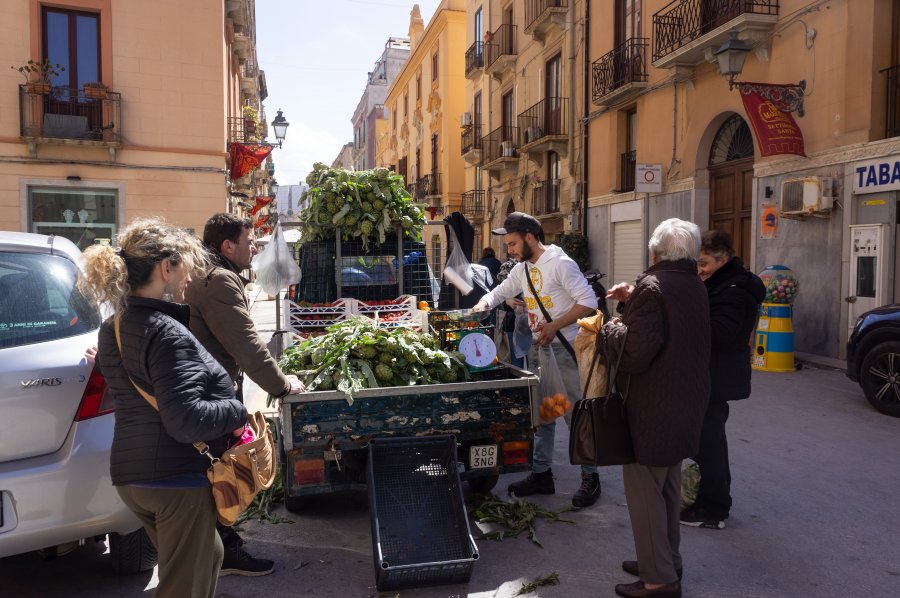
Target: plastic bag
x=554, y=402
x=586, y=349
x=275, y=266
x=523, y=337
x=458, y=270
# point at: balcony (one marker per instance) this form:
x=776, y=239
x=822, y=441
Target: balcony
x=250, y=78
x=544, y=128
x=411, y=189
x=242, y=42
x=892, y=102
x=621, y=75
x=499, y=147
x=70, y=116
x=688, y=32
x=471, y=144
x=500, y=52
x=474, y=59
x=243, y=130
x=541, y=15
x=473, y=204
x=428, y=186
x=627, y=166
x=545, y=198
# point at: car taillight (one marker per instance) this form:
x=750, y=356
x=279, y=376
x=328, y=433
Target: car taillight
x=516, y=453
x=92, y=403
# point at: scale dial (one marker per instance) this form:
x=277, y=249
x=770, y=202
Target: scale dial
x=478, y=349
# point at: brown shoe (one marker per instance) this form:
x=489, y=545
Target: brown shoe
x=632, y=568
x=637, y=590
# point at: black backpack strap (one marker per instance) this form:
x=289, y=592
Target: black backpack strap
x=565, y=342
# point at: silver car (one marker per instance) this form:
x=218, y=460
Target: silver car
x=57, y=420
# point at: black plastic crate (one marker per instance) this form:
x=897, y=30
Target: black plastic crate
x=420, y=527
x=366, y=274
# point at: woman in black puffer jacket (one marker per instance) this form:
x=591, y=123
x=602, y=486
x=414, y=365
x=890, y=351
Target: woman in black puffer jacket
x=734, y=298
x=157, y=472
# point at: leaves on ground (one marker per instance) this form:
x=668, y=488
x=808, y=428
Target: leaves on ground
x=516, y=516
x=547, y=580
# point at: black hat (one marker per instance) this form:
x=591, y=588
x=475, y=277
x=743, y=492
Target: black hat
x=520, y=222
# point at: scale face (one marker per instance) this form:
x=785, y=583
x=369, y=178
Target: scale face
x=478, y=349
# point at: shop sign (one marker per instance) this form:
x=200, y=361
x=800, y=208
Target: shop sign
x=648, y=178
x=875, y=176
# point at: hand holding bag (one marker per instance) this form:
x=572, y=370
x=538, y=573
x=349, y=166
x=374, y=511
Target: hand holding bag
x=242, y=472
x=599, y=433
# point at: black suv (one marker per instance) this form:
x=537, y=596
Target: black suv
x=873, y=357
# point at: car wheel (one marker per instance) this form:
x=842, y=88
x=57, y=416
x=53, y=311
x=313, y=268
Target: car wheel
x=295, y=504
x=879, y=377
x=484, y=484
x=132, y=553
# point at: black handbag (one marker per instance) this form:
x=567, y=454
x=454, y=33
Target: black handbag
x=599, y=433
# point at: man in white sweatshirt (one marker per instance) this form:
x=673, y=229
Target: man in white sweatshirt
x=566, y=296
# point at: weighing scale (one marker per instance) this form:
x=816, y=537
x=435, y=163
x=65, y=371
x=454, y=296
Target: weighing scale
x=461, y=330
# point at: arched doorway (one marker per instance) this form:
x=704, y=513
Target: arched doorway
x=731, y=183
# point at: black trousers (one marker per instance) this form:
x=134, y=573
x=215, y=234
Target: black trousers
x=714, y=494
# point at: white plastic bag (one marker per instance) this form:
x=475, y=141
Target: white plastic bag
x=523, y=337
x=275, y=266
x=458, y=270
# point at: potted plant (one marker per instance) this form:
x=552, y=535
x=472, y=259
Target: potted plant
x=95, y=90
x=38, y=75
x=251, y=123
x=536, y=181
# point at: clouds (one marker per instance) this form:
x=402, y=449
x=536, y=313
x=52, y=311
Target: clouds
x=304, y=145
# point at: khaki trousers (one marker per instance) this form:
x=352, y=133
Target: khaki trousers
x=654, y=506
x=181, y=523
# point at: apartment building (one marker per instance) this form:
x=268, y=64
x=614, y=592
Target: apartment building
x=793, y=152
x=136, y=122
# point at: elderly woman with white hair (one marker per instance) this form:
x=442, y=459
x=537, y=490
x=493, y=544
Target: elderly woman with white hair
x=665, y=369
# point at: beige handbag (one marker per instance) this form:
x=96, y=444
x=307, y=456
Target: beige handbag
x=242, y=471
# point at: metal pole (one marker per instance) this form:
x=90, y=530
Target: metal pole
x=278, y=331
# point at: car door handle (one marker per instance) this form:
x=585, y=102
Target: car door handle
x=850, y=299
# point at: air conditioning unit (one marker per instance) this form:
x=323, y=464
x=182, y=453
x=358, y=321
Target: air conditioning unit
x=507, y=149
x=808, y=195
x=466, y=119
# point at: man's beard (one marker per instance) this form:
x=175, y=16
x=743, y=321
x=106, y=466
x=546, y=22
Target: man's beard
x=526, y=254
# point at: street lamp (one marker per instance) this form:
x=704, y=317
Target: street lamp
x=280, y=125
x=273, y=188
x=730, y=57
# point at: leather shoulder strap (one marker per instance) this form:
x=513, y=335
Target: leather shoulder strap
x=565, y=342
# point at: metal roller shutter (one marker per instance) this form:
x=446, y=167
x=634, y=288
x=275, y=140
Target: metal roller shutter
x=628, y=251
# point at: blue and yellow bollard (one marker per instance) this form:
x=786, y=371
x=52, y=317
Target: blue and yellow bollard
x=773, y=350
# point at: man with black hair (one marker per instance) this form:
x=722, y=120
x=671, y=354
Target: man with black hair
x=220, y=319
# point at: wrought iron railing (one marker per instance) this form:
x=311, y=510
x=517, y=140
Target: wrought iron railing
x=411, y=189
x=92, y=114
x=474, y=57
x=628, y=162
x=534, y=9
x=249, y=69
x=473, y=203
x=683, y=21
x=547, y=117
x=429, y=184
x=545, y=198
x=892, y=102
x=502, y=142
x=502, y=43
x=243, y=130
x=471, y=138
x=626, y=64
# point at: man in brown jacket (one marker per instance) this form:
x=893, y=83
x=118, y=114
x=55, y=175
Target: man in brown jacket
x=664, y=340
x=220, y=319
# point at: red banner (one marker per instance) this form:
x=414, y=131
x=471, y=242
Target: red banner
x=245, y=157
x=776, y=131
x=261, y=202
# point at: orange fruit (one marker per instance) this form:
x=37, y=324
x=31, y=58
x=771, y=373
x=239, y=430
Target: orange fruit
x=558, y=410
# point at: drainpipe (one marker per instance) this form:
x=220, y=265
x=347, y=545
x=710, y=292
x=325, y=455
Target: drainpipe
x=585, y=124
x=570, y=29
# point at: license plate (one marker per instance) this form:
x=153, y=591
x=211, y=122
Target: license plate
x=483, y=456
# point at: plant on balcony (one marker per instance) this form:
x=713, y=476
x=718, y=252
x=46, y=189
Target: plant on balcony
x=536, y=180
x=251, y=123
x=95, y=90
x=38, y=75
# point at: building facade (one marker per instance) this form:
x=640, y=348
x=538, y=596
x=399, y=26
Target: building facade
x=135, y=124
x=370, y=118
x=521, y=128
x=345, y=157
x=661, y=109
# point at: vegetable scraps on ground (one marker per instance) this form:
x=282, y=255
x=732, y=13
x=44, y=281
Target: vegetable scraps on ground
x=358, y=353
x=516, y=516
x=547, y=580
x=365, y=204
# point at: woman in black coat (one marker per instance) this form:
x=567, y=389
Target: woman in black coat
x=734, y=298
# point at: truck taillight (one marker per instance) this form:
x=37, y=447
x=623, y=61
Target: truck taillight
x=516, y=453
x=309, y=471
x=92, y=401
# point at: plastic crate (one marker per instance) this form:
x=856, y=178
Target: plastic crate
x=404, y=311
x=420, y=527
x=302, y=317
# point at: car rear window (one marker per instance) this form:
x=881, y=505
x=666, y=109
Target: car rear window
x=39, y=301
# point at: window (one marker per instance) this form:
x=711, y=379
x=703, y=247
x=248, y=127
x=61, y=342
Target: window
x=628, y=20
x=478, y=23
x=476, y=109
x=72, y=39
x=434, y=66
x=418, y=86
x=82, y=216
x=434, y=157
x=553, y=176
x=405, y=104
x=394, y=119
x=39, y=301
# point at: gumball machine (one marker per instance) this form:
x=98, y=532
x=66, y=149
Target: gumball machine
x=774, y=346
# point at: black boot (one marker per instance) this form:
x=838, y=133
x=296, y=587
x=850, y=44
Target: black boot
x=238, y=561
x=589, y=491
x=535, y=483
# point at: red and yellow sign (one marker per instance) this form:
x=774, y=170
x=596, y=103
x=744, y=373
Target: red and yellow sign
x=242, y=158
x=776, y=131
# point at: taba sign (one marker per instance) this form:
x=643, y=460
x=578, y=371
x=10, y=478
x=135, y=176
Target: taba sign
x=648, y=178
x=875, y=176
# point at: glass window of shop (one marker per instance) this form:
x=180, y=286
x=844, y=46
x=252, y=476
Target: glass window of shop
x=84, y=216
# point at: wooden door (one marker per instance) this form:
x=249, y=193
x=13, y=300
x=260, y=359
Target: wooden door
x=552, y=96
x=731, y=203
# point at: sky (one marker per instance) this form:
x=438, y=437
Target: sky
x=316, y=55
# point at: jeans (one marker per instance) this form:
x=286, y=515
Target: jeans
x=545, y=435
x=714, y=493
